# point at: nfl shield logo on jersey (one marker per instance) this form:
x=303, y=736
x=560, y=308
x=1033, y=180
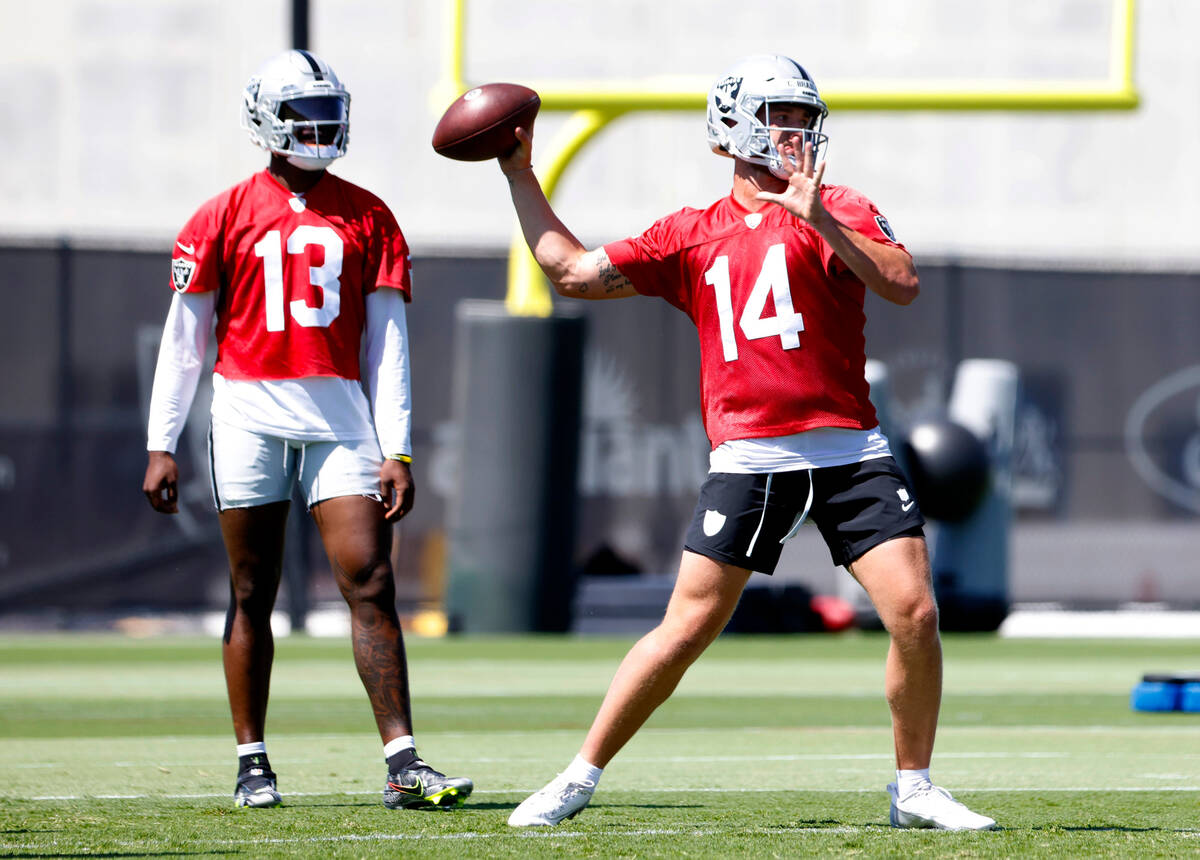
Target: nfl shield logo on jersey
x=181, y=273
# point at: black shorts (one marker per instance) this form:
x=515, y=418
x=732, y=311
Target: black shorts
x=744, y=519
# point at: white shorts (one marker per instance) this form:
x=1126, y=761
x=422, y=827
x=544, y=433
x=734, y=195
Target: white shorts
x=250, y=469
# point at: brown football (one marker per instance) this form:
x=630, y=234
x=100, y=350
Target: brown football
x=479, y=124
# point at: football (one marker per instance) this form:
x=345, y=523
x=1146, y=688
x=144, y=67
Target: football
x=480, y=123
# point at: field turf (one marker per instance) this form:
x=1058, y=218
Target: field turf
x=772, y=747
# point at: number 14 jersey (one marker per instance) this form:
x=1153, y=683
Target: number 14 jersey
x=779, y=315
x=293, y=273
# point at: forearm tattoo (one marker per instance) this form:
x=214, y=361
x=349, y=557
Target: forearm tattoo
x=610, y=276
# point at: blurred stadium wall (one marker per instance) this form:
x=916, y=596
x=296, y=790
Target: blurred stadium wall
x=1066, y=243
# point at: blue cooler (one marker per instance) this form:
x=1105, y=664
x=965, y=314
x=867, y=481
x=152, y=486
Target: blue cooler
x=1158, y=696
x=1189, y=699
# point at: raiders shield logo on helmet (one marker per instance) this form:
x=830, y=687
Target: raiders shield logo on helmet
x=725, y=93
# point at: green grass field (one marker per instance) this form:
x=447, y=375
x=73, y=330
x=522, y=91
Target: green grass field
x=773, y=746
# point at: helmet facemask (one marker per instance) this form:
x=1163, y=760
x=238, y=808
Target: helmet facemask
x=316, y=129
x=760, y=139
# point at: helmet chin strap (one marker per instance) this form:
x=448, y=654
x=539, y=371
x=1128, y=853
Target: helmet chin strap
x=310, y=163
x=778, y=170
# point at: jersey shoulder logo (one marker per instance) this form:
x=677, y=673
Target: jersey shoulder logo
x=181, y=273
x=883, y=225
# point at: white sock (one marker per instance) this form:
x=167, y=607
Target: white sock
x=404, y=742
x=908, y=781
x=580, y=771
x=256, y=748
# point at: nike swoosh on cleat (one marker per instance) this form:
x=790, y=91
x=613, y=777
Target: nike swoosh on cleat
x=417, y=789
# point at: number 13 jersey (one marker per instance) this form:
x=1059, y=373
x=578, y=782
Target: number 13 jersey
x=293, y=273
x=779, y=315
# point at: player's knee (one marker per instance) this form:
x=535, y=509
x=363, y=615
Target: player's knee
x=685, y=642
x=251, y=595
x=676, y=650
x=918, y=617
x=371, y=582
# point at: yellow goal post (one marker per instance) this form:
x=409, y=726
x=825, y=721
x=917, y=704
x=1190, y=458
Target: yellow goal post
x=595, y=104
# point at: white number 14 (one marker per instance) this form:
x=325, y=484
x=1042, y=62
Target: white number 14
x=773, y=281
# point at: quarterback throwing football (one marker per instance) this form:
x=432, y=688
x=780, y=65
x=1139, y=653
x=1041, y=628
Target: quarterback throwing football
x=774, y=278
x=299, y=268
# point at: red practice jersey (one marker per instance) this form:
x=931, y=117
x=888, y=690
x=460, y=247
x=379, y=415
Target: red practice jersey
x=293, y=273
x=779, y=315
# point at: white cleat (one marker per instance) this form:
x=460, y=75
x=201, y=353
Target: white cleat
x=930, y=806
x=559, y=800
x=261, y=794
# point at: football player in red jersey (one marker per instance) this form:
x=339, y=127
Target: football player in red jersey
x=774, y=277
x=300, y=268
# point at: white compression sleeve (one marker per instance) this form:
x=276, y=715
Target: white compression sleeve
x=387, y=373
x=180, y=363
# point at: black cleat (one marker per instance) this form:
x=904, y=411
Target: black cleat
x=256, y=787
x=419, y=785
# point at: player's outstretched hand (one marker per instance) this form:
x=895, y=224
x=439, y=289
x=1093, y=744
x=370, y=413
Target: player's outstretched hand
x=397, y=488
x=161, y=484
x=803, y=195
x=521, y=158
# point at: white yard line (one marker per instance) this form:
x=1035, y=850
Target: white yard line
x=531, y=833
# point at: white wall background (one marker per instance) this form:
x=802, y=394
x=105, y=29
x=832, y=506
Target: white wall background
x=120, y=116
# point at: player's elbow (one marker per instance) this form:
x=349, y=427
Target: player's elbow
x=569, y=288
x=897, y=280
x=570, y=281
x=899, y=284
x=906, y=288
x=563, y=285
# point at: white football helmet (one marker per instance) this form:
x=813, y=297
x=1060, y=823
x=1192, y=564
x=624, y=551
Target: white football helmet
x=734, y=126
x=296, y=107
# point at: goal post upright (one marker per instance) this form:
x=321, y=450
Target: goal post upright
x=594, y=106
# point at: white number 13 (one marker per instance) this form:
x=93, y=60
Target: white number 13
x=324, y=276
x=773, y=281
